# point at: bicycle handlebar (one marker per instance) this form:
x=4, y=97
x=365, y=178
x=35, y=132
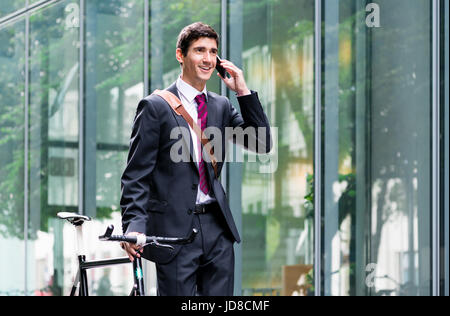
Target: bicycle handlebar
x=142, y=240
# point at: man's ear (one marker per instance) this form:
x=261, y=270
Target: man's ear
x=179, y=56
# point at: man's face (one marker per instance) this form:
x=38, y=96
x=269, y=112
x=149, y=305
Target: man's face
x=199, y=62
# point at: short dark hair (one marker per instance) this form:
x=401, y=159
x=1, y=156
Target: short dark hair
x=192, y=33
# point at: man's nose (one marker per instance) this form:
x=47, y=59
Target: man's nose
x=208, y=57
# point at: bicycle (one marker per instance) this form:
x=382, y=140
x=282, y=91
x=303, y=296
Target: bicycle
x=81, y=281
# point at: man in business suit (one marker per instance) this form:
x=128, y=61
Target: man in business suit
x=166, y=198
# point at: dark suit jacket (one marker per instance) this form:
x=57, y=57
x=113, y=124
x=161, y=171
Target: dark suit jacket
x=159, y=195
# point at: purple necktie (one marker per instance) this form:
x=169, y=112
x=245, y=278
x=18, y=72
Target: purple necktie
x=202, y=115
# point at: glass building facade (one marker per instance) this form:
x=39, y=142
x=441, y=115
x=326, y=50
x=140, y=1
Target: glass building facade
x=352, y=200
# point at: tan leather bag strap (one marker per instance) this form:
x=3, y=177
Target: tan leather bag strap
x=179, y=109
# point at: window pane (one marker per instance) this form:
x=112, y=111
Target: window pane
x=273, y=42
x=377, y=141
x=12, y=114
x=114, y=65
x=53, y=174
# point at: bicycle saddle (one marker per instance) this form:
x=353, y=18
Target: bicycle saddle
x=73, y=218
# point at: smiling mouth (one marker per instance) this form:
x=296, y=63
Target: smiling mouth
x=206, y=69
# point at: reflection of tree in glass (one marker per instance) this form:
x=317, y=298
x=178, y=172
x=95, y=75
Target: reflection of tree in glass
x=12, y=130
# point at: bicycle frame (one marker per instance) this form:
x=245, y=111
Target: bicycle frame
x=81, y=280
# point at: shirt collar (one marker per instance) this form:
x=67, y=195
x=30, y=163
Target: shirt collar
x=188, y=91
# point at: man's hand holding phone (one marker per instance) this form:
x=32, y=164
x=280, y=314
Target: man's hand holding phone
x=236, y=81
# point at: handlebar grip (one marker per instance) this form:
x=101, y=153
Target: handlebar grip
x=130, y=239
x=142, y=239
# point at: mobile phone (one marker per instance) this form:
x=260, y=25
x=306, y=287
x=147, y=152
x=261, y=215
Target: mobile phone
x=220, y=69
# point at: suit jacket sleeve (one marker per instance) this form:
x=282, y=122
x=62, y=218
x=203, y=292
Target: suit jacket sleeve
x=252, y=116
x=140, y=164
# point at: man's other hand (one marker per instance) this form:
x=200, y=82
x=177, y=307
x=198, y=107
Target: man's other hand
x=132, y=250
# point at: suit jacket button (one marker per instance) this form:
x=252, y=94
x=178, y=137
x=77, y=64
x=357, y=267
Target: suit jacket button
x=189, y=211
x=194, y=186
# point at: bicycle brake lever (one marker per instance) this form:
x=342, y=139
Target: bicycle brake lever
x=157, y=244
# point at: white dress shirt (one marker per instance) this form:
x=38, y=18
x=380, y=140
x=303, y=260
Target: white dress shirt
x=187, y=95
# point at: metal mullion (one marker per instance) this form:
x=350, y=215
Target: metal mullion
x=435, y=159
x=81, y=103
x=26, y=149
x=223, y=87
x=146, y=265
x=445, y=182
x=318, y=148
x=224, y=39
x=226, y=168
x=146, y=47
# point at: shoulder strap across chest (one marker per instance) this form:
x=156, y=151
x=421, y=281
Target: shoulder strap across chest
x=178, y=108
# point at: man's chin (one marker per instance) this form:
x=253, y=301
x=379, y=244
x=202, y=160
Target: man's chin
x=204, y=77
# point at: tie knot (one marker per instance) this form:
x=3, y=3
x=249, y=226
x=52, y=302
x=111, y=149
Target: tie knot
x=201, y=98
